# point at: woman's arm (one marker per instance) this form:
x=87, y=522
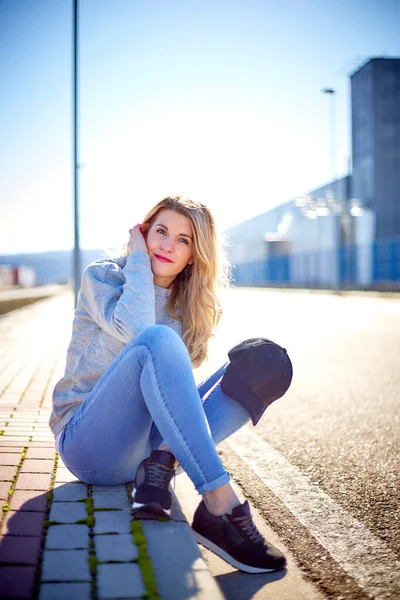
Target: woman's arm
x=120, y=301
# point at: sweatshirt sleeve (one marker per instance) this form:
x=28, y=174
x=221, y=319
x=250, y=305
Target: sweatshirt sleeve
x=120, y=301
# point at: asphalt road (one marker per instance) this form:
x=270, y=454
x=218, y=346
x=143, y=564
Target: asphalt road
x=339, y=424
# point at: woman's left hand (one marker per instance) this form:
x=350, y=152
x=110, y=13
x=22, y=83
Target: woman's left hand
x=136, y=240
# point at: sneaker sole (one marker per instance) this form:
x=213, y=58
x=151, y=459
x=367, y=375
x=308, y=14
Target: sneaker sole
x=229, y=559
x=153, y=508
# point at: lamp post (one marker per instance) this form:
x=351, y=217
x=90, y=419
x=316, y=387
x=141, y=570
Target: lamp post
x=337, y=213
x=77, y=252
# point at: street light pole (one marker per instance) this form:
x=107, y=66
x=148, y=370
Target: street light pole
x=337, y=204
x=77, y=253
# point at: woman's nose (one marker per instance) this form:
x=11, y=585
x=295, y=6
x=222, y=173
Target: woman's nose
x=167, y=244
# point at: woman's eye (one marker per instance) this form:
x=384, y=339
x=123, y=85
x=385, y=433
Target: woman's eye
x=184, y=240
x=160, y=231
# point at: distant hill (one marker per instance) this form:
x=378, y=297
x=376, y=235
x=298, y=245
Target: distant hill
x=52, y=267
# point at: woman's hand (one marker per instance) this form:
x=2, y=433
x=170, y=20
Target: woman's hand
x=136, y=239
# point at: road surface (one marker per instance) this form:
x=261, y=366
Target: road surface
x=322, y=466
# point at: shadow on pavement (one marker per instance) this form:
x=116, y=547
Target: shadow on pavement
x=244, y=585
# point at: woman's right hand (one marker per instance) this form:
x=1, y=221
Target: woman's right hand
x=136, y=240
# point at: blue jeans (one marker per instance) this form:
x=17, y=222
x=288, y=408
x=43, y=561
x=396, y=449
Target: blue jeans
x=146, y=398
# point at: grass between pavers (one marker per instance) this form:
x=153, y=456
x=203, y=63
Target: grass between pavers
x=6, y=506
x=89, y=521
x=46, y=524
x=143, y=559
x=92, y=558
x=139, y=539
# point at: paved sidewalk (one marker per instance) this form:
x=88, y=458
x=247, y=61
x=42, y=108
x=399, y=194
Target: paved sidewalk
x=61, y=539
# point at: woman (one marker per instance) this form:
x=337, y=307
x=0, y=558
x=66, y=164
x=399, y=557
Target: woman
x=128, y=409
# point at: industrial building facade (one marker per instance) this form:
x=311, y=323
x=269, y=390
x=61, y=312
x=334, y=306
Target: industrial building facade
x=375, y=103
x=346, y=233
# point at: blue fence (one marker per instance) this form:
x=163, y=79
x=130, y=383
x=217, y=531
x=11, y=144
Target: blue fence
x=372, y=266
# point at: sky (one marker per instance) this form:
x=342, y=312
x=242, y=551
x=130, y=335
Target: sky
x=220, y=101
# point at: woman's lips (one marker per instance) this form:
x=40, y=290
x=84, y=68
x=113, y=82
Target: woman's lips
x=162, y=259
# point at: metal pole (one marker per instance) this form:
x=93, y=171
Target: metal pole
x=77, y=253
x=319, y=251
x=337, y=217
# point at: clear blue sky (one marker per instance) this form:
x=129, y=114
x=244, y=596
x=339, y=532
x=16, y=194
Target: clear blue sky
x=220, y=101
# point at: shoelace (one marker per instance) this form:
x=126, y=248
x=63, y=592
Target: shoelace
x=246, y=523
x=159, y=475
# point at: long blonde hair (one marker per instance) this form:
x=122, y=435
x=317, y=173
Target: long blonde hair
x=194, y=292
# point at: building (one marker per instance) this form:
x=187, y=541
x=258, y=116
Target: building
x=346, y=233
x=375, y=115
x=21, y=276
x=294, y=243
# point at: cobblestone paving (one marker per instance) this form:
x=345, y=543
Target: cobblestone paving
x=59, y=538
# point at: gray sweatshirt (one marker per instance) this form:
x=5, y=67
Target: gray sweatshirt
x=117, y=300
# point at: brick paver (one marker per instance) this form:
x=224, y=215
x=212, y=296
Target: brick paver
x=119, y=581
x=19, y=549
x=6, y=444
x=33, y=481
x=111, y=499
x=112, y=522
x=28, y=500
x=64, y=476
x=7, y=473
x=37, y=466
x=4, y=489
x=10, y=438
x=67, y=512
x=23, y=523
x=69, y=492
x=67, y=537
x=65, y=565
x=108, y=488
x=65, y=591
x=9, y=459
x=17, y=582
x=115, y=547
x=44, y=453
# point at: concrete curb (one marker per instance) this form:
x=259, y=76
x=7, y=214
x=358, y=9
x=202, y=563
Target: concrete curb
x=179, y=568
x=287, y=584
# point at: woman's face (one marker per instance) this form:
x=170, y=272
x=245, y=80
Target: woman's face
x=170, y=245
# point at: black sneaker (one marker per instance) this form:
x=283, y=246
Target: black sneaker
x=236, y=539
x=151, y=492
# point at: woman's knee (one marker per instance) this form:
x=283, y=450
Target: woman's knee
x=155, y=335
x=159, y=342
